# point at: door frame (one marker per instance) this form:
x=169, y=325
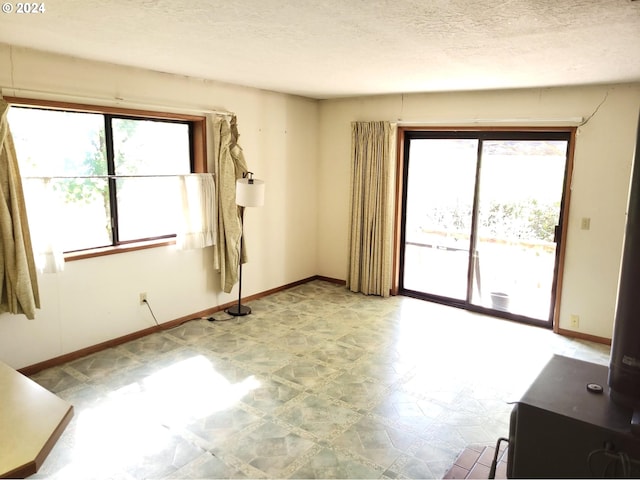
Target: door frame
x=399, y=219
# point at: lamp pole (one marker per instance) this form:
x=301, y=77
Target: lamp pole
x=249, y=193
x=240, y=310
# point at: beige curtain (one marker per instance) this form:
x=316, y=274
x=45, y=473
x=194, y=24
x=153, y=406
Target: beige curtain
x=18, y=280
x=227, y=162
x=370, y=232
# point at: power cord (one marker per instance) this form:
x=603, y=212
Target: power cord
x=214, y=319
x=615, y=458
x=211, y=319
x=146, y=302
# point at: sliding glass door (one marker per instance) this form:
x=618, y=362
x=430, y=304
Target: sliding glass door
x=440, y=186
x=481, y=219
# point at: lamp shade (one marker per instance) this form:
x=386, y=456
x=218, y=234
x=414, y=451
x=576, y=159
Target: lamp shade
x=249, y=192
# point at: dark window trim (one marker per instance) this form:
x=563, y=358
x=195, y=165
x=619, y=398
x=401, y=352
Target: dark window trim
x=197, y=137
x=405, y=133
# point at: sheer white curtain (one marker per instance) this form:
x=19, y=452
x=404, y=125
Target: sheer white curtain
x=43, y=208
x=198, y=219
x=370, y=233
x=195, y=220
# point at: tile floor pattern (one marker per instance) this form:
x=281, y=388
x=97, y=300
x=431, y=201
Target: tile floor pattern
x=317, y=382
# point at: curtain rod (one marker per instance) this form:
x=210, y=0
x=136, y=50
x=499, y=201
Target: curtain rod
x=117, y=101
x=94, y=177
x=575, y=121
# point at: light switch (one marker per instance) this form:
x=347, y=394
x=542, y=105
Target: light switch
x=585, y=223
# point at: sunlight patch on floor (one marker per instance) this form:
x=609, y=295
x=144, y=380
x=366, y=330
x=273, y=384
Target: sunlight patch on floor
x=150, y=410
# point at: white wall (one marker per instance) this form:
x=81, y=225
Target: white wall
x=301, y=148
x=602, y=166
x=95, y=300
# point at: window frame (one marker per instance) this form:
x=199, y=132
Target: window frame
x=197, y=134
x=487, y=132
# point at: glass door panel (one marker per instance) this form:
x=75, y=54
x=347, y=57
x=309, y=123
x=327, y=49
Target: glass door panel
x=520, y=192
x=440, y=183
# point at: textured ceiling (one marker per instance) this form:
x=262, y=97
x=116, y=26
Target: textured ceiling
x=331, y=48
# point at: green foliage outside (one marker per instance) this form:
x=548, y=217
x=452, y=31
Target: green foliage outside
x=89, y=190
x=525, y=220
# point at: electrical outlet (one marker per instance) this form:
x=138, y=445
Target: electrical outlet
x=585, y=223
x=575, y=321
x=143, y=298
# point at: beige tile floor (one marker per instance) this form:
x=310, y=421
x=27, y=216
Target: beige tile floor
x=318, y=382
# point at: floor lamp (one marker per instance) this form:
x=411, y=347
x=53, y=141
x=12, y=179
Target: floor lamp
x=249, y=193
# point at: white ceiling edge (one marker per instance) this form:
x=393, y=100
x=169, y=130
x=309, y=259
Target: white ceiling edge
x=339, y=48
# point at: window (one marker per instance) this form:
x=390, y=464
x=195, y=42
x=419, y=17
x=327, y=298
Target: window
x=108, y=178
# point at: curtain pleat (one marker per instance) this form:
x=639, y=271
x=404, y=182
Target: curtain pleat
x=18, y=280
x=226, y=160
x=370, y=230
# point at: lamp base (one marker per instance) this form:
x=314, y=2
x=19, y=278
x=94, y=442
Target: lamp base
x=238, y=310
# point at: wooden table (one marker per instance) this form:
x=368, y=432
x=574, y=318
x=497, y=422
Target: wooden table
x=31, y=421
